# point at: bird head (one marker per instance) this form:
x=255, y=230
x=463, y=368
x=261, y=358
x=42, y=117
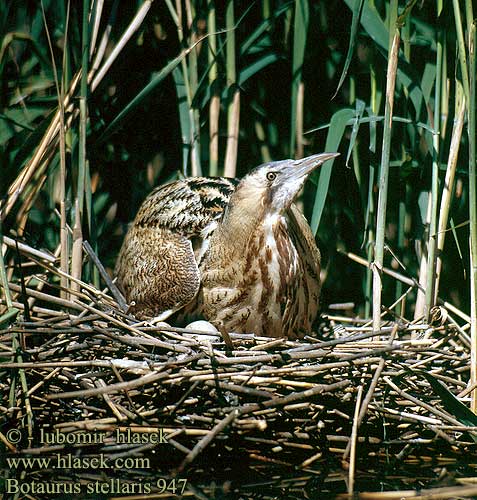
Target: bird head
x=278, y=183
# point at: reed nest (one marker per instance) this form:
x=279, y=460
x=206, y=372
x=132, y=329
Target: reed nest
x=78, y=365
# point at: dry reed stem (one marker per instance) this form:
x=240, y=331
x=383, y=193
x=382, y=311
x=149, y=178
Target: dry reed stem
x=300, y=102
x=28, y=250
x=214, y=113
x=377, y=267
x=126, y=36
x=31, y=168
x=353, y=440
x=230, y=168
x=77, y=251
x=448, y=189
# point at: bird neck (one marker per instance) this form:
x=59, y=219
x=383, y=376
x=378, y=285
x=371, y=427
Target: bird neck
x=240, y=220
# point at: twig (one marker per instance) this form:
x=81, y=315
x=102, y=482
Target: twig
x=354, y=435
x=109, y=282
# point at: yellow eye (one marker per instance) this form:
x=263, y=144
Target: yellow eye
x=271, y=176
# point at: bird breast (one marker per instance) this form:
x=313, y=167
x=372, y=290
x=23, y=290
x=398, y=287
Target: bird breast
x=248, y=287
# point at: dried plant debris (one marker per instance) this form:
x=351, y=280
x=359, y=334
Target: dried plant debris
x=128, y=409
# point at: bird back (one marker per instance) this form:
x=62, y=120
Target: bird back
x=157, y=267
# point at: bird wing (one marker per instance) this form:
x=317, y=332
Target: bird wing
x=157, y=268
x=186, y=206
x=307, y=273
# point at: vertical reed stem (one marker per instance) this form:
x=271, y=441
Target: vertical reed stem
x=300, y=151
x=60, y=89
x=233, y=112
x=299, y=42
x=77, y=251
x=353, y=441
x=434, y=193
x=371, y=242
x=3, y=273
x=214, y=107
x=370, y=238
x=449, y=186
x=193, y=82
x=461, y=47
x=384, y=172
x=473, y=210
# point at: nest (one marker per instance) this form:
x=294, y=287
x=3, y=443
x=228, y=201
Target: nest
x=82, y=378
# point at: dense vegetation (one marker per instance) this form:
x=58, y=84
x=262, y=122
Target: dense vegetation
x=102, y=101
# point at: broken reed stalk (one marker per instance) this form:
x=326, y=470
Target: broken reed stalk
x=118, y=296
x=448, y=188
x=384, y=170
x=233, y=107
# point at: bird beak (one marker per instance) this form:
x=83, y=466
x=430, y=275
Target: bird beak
x=306, y=165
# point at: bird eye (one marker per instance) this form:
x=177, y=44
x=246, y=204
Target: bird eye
x=271, y=176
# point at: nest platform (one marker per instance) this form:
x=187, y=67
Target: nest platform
x=269, y=418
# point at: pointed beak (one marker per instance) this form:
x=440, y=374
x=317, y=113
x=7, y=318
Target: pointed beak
x=305, y=166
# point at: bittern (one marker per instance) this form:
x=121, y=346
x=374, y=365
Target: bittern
x=239, y=254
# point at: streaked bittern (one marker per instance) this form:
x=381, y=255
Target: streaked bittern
x=240, y=254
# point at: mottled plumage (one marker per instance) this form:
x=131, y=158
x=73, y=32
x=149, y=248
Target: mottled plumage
x=240, y=254
x=157, y=267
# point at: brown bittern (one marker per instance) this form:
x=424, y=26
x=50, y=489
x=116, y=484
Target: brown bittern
x=239, y=254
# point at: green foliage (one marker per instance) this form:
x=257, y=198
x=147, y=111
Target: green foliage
x=451, y=403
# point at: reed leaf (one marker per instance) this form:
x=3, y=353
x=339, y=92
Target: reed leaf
x=336, y=131
x=143, y=94
x=357, y=9
x=451, y=403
